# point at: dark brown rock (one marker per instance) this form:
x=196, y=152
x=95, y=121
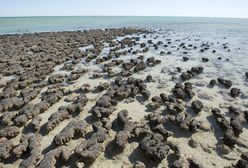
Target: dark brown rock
x=5, y=148
x=197, y=106
x=154, y=146
x=213, y=82
x=235, y=92
x=226, y=83
x=70, y=131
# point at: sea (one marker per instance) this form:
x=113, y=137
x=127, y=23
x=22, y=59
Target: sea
x=18, y=25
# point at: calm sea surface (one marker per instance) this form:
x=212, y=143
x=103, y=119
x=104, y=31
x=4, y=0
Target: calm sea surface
x=10, y=25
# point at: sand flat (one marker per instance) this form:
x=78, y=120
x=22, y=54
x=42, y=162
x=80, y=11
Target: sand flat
x=209, y=144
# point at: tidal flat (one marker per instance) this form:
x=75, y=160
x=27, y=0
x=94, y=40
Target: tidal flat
x=123, y=97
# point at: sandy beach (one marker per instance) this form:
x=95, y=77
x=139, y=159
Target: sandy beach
x=122, y=98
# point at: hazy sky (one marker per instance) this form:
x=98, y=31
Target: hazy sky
x=212, y=8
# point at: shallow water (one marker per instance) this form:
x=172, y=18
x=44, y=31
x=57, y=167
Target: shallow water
x=41, y=24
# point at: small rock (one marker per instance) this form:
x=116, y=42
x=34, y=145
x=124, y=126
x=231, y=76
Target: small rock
x=185, y=59
x=224, y=82
x=235, y=92
x=197, y=106
x=205, y=59
x=149, y=78
x=213, y=82
x=143, y=45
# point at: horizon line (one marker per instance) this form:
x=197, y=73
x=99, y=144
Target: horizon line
x=27, y=16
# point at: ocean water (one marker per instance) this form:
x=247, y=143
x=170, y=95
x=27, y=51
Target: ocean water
x=12, y=25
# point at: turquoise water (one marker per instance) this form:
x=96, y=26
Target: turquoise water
x=10, y=25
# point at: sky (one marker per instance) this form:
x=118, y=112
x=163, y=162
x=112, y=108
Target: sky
x=200, y=8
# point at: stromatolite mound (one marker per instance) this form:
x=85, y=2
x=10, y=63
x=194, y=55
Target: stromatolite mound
x=226, y=83
x=61, y=153
x=191, y=73
x=154, y=146
x=72, y=128
x=197, y=106
x=183, y=91
x=91, y=148
x=235, y=92
x=243, y=161
x=9, y=132
x=5, y=148
x=230, y=131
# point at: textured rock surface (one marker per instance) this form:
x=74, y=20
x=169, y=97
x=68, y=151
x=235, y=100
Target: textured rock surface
x=63, y=97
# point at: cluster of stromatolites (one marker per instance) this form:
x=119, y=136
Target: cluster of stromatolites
x=82, y=129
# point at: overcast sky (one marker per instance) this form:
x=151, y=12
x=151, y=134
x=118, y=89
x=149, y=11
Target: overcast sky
x=206, y=8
